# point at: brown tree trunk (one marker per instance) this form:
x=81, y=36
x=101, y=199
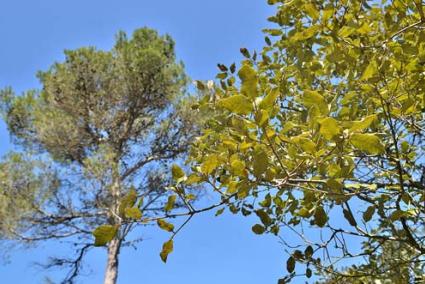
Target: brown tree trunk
x=111, y=273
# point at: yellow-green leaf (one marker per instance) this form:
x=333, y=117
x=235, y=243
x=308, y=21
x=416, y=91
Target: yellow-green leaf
x=260, y=160
x=127, y=201
x=312, y=11
x=238, y=166
x=369, y=143
x=133, y=213
x=268, y=101
x=209, y=164
x=306, y=144
x=314, y=99
x=258, y=229
x=248, y=76
x=219, y=212
x=167, y=248
x=170, y=203
x=165, y=225
x=238, y=104
x=177, y=172
x=363, y=124
x=346, y=31
x=329, y=128
x=104, y=234
x=370, y=71
x=304, y=212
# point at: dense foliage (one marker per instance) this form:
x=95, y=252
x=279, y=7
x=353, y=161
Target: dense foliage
x=321, y=135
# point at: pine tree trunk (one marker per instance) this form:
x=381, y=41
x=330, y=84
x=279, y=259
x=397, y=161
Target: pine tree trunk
x=111, y=273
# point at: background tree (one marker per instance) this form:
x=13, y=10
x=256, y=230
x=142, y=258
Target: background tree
x=322, y=137
x=392, y=265
x=107, y=124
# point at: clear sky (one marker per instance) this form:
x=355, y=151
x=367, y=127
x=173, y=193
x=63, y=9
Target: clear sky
x=210, y=250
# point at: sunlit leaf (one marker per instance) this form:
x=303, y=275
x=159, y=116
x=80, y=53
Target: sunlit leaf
x=369, y=143
x=329, y=128
x=104, y=234
x=238, y=104
x=167, y=248
x=133, y=213
x=165, y=225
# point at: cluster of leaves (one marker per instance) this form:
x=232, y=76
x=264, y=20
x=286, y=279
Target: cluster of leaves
x=327, y=121
x=392, y=265
x=24, y=185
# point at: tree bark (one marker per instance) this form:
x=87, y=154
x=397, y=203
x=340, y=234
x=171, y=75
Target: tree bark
x=111, y=273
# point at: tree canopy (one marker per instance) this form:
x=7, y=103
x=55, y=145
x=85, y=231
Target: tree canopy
x=321, y=135
x=97, y=141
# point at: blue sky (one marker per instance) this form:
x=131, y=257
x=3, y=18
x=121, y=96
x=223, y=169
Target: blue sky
x=210, y=250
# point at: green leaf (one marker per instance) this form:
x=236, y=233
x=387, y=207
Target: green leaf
x=398, y=214
x=238, y=104
x=264, y=217
x=312, y=11
x=258, y=229
x=290, y=264
x=304, y=212
x=104, y=234
x=260, y=160
x=306, y=144
x=248, y=76
x=305, y=34
x=368, y=214
x=346, y=31
x=193, y=179
x=369, y=143
x=209, y=164
x=267, y=202
x=370, y=71
x=233, y=68
x=170, y=203
x=349, y=217
x=165, y=225
x=308, y=273
x=177, y=172
x=167, y=248
x=308, y=252
x=363, y=124
x=268, y=101
x=133, y=213
x=238, y=166
x=245, y=52
x=127, y=201
x=320, y=217
x=314, y=99
x=329, y=128
x=219, y=212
